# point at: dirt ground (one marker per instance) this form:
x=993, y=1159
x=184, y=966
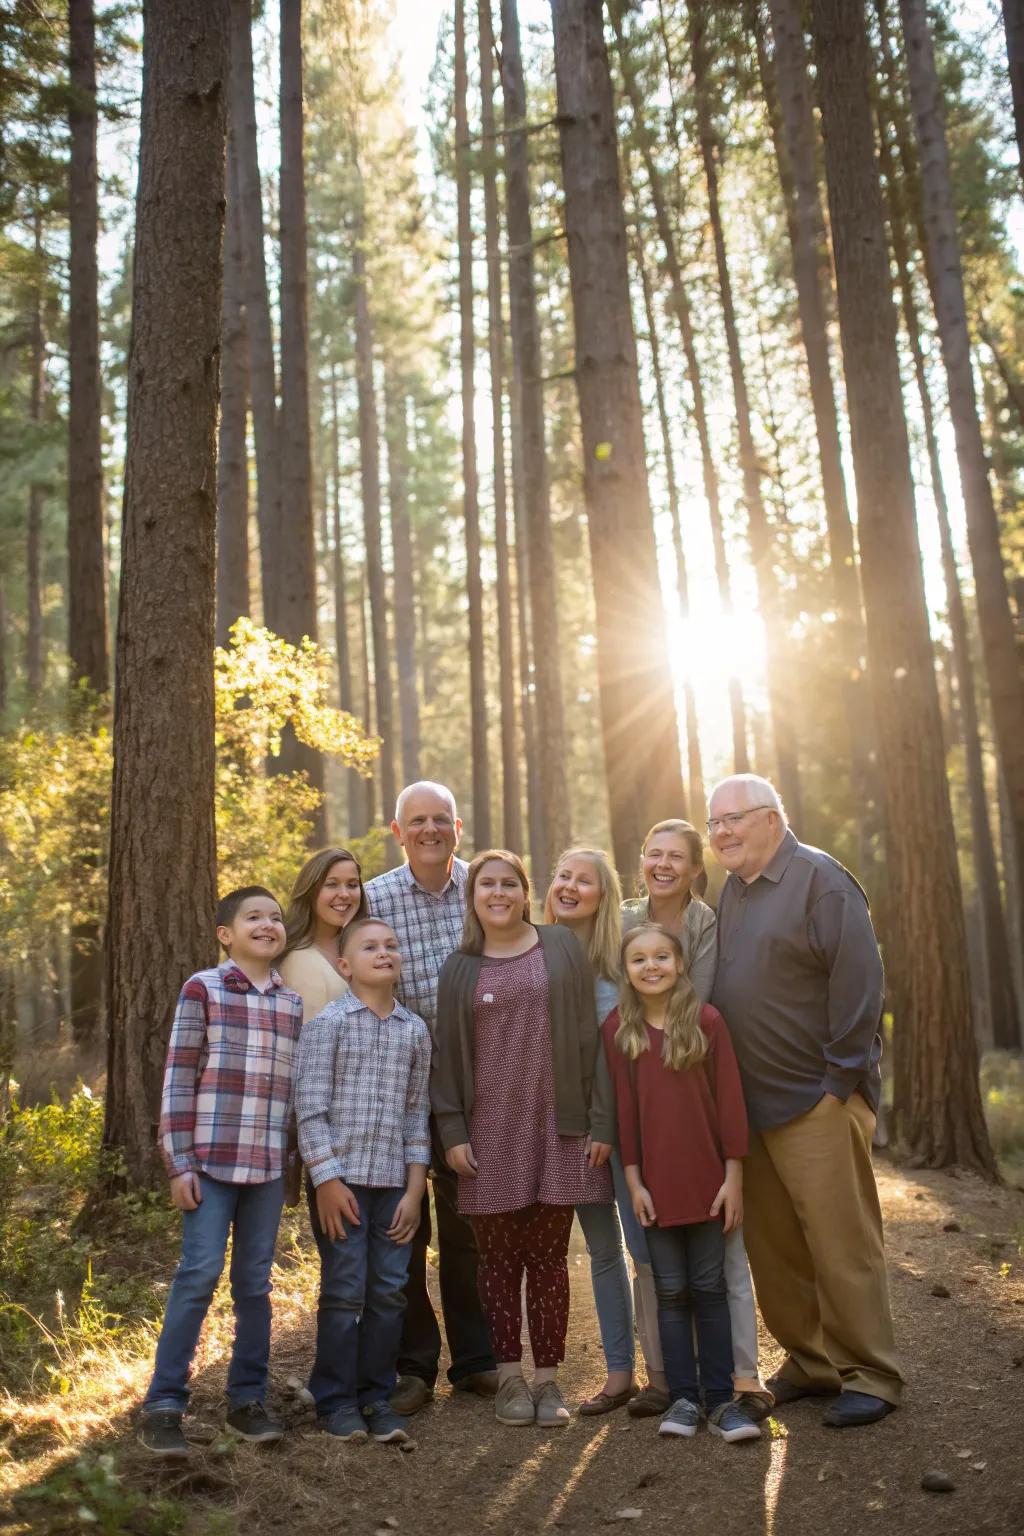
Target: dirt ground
x=957, y=1273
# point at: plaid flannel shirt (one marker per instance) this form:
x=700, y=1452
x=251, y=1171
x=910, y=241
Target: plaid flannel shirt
x=361, y=1094
x=428, y=926
x=229, y=1080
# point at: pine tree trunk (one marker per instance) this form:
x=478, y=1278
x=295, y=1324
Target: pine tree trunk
x=1013, y=21
x=779, y=675
x=262, y=373
x=481, y=817
x=396, y=427
x=999, y=645
x=938, y=1103
x=681, y=307
x=232, y=449
x=161, y=929
x=511, y=794
x=527, y=698
x=997, y=978
x=369, y=463
x=358, y=824
x=370, y=782
x=34, y=658
x=3, y=661
x=528, y=386
x=87, y=610
x=638, y=716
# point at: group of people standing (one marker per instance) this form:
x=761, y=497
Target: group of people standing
x=692, y=1088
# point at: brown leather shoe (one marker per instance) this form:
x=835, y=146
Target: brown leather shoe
x=785, y=1391
x=606, y=1402
x=649, y=1403
x=411, y=1393
x=483, y=1383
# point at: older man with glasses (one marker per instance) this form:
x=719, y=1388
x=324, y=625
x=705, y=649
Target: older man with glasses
x=799, y=983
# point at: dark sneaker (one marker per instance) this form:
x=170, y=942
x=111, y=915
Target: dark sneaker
x=160, y=1433
x=386, y=1426
x=253, y=1423
x=410, y=1394
x=681, y=1419
x=649, y=1403
x=730, y=1421
x=851, y=1409
x=346, y=1424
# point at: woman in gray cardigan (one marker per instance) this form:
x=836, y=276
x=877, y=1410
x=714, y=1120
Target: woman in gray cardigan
x=522, y=1096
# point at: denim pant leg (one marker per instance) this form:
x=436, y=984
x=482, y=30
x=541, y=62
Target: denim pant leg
x=668, y=1249
x=380, y=1327
x=645, y=1304
x=705, y=1264
x=742, y=1313
x=632, y=1231
x=613, y=1296
x=343, y=1265
x=204, y=1241
x=257, y=1218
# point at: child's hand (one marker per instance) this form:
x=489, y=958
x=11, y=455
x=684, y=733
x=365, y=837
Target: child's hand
x=729, y=1199
x=185, y=1191
x=643, y=1207
x=461, y=1160
x=336, y=1204
x=598, y=1153
x=407, y=1218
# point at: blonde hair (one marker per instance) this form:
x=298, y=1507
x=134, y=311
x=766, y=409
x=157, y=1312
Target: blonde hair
x=685, y=1044
x=676, y=827
x=605, y=938
x=472, y=932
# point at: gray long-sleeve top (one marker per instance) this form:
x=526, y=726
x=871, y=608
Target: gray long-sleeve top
x=799, y=983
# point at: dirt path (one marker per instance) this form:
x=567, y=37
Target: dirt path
x=958, y=1297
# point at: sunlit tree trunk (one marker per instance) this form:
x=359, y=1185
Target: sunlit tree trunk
x=527, y=383
x=396, y=427
x=1013, y=21
x=358, y=823
x=481, y=819
x=162, y=851
x=232, y=449
x=938, y=1103
x=527, y=697
x=511, y=807
x=638, y=716
x=34, y=656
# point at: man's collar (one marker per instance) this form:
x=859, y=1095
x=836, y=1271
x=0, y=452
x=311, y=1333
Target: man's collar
x=779, y=861
x=456, y=878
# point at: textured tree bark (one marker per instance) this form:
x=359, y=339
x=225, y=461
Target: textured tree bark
x=358, y=822
x=1013, y=22
x=481, y=811
x=263, y=377
x=163, y=851
x=528, y=388
x=396, y=430
x=527, y=699
x=232, y=452
x=680, y=303
x=511, y=794
x=999, y=645
x=35, y=662
x=638, y=716
x=938, y=1104
x=87, y=610
x=760, y=532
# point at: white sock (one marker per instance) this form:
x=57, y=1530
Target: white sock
x=506, y=1372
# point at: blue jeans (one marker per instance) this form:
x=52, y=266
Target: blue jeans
x=361, y=1306
x=250, y=1213
x=632, y=1231
x=689, y=1279
x=613, y=1293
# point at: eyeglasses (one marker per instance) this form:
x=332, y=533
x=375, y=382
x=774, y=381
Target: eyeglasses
x=734, y=818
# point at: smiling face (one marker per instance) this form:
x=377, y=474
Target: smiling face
x=652, y=964
x=337, y=900
x=372, y=957
x=744, y=835
x=428, y=832
x=499, y=900
x=668, y=866
x=575, y=891
x=255, y=933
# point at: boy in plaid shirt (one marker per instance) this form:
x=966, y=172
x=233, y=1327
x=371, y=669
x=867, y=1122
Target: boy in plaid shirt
x=227, y=1105
x=362, y=1104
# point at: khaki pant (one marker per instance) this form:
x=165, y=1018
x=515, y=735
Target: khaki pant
x=813, y=1226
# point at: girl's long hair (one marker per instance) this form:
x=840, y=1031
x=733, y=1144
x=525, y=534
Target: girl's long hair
x=472, y=932
x=605, y=939
x=685, y=1044
x=300, y=919
x=695, y=846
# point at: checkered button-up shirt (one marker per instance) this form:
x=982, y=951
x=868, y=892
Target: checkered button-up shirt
x=229, y=1080
x=361, y=1094
x=429, y=929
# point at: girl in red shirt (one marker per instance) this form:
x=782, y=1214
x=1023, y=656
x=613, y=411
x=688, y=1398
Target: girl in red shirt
x=682, y=1135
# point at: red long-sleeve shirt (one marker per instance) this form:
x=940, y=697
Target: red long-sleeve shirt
x=679, y=1127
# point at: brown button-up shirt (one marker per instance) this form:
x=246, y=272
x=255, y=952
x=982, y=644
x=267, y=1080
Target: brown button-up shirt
x=799, y=983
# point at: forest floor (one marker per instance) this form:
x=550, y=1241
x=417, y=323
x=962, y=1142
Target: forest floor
x=69, y=1461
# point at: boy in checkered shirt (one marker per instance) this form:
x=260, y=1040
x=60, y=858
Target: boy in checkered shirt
x=228, y=1101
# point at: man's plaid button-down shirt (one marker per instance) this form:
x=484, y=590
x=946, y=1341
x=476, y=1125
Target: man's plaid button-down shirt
x=428, y=928
x=229, y=1080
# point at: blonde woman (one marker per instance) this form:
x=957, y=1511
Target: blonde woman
x=673, y=877
x=682, y=1129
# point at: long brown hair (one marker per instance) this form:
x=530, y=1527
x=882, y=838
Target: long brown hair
x=473, y=933
x=605, y=938
x=300, y=919
x=694, y=846
x=685, y=1044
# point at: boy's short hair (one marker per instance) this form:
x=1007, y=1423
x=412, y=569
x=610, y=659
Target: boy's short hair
x=355, y=927
x=227, y=907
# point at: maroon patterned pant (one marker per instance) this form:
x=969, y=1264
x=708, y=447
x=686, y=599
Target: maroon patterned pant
x=535, y=1240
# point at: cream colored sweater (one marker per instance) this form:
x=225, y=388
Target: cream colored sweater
x=308, y=973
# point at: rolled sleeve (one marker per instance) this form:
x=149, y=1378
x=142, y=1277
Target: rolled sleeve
x=185, y=1053
x=840, y=932
x=314, y=1093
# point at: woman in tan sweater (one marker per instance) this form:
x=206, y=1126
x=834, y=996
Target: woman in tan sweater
x=327, y=896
